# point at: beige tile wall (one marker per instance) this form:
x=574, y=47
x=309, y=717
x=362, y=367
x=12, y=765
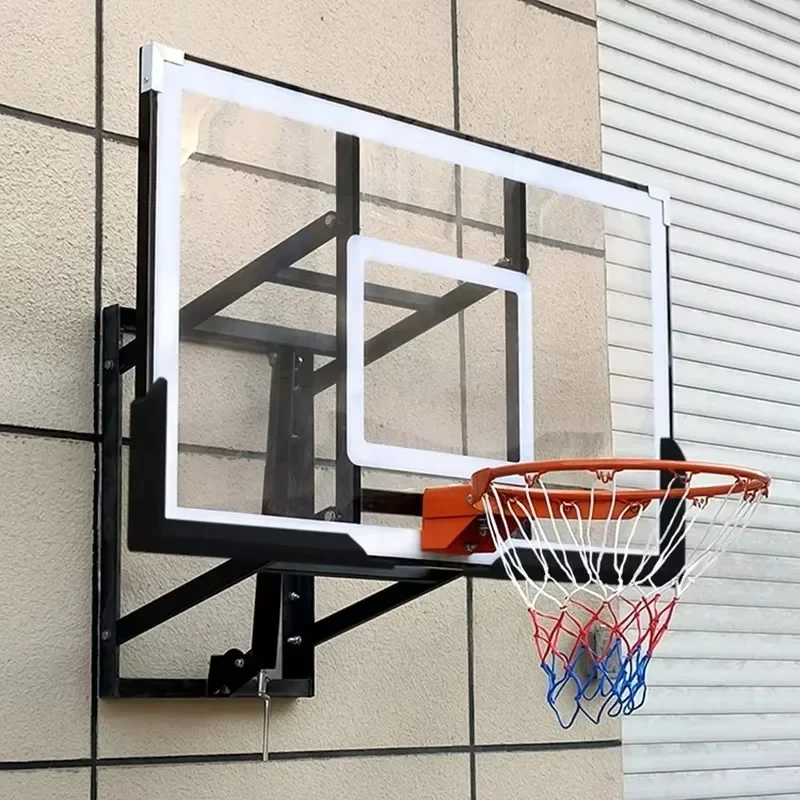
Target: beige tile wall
x=528, y=77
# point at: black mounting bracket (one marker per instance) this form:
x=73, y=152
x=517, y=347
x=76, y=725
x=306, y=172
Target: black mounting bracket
x=285, y=632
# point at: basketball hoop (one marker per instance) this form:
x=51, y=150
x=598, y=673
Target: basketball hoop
x=593, y=564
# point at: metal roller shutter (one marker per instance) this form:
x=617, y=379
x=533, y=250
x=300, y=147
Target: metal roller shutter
x=702, y=97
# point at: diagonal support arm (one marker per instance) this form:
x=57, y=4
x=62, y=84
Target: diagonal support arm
x=259, y=270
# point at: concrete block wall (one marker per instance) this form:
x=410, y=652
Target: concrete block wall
x=446, y=686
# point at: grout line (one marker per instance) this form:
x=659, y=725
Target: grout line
x=46, y=119
x=561, y=12
x=200, y=758
x=306, y=755
x=66, y=763
x=98, y=310
x=473, y=765
x=386, y=202
x=121, y=138
x=542, y=747
x=377, y=752
x=48, y=433
x=462, y=370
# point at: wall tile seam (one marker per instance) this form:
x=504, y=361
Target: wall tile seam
x=543, y=5
x=56, y=434
x=311, y=755
x=17, y=112
x=387, y=202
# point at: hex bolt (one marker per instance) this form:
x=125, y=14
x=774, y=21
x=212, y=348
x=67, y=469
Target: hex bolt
x=105, y=635
x=239, y=662
x=108, y=364
x=226, y=690
x=330, y=515
x=295, y=640
x=294, y=596
x=330, y=219
x=470, y=547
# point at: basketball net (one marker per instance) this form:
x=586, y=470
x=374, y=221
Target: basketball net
x=595, y=638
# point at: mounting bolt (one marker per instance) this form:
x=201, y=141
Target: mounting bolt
x=330, y=515
x=272, y=358
x=105, y=635
x=299, y=359
x=294, y=596
x=330, y=220
x=295, y=640
x=469, y=499
x=239, y=662
x=146, y=79
x=470, y=547
x=226, y=690
x=108, y=364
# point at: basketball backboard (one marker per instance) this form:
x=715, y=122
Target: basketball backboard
x=338, y=307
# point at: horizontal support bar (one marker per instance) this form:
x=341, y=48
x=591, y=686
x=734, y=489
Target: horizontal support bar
x=385, y=501
x=259, y=270
x=184, y=597
x=197, y=687
x=375, y=605
x=373, y=292
x=408, y=329
x=259, y=337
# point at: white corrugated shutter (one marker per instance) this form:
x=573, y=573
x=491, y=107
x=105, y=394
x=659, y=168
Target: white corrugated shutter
x=702, y=97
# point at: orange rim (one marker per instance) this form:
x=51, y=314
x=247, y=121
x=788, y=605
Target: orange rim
x=748, y=482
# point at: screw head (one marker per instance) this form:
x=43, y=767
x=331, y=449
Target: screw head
x=108, y=364
x=105, y=635
x=470, y=547
x=295, y=640
x=469, y=499
x=239, y=662
x=330, y=515
x=330, y=219
x=226, y=690
x=294, y=596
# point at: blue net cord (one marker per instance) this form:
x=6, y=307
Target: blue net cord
x=608, y=680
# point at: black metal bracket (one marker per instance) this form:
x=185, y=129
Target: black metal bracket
x=285, y=633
